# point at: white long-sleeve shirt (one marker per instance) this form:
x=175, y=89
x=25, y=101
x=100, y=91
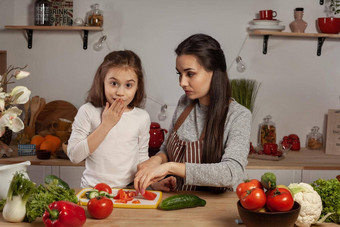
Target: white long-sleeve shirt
x=115, y=160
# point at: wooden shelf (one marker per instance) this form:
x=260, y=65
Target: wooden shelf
x=29, y=30
x=320, y=36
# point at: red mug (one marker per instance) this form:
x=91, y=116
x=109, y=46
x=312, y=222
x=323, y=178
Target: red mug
x=267, y=14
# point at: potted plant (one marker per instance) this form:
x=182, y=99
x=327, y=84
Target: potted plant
x=330, y=24
x=244, y=91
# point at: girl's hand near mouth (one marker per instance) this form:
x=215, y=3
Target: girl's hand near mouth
x=112, y=114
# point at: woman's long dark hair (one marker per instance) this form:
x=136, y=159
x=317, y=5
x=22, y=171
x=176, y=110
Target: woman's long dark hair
x=211, y=57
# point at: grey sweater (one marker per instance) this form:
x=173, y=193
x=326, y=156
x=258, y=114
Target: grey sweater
x=231, y=169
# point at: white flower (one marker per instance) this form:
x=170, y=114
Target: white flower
x=21, y=74
x=11, y=120
x=20, y=95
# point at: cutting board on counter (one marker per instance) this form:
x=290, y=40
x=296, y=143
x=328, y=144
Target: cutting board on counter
x=52, y=112
x=144, y=203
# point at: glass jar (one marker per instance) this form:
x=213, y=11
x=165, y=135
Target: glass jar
x=314, y=139
x=95, y=17
x=267, y=132
x=42, y=13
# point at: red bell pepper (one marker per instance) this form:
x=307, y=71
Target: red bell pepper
x=65, y=214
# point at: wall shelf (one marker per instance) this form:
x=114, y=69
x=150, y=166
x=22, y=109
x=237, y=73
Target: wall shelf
x=29, y=30
x=320, y=36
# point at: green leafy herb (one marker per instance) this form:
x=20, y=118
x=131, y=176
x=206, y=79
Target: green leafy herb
x=329, y=191
x=244, y=91
x=43, y=196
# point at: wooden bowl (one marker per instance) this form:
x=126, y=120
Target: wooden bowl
x=269, y=219
x=43, y=154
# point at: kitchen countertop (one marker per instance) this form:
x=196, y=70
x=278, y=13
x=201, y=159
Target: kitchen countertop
x=299, y=160
x=220, y=210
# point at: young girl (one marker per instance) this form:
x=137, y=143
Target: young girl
x=208, y=140
x=110, y=131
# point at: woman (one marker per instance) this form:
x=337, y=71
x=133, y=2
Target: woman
x=208, y=140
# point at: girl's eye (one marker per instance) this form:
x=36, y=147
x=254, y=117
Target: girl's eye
x=114, y=83
x=129, y=85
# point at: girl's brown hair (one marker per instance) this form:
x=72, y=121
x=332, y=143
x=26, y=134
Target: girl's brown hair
x=211, y=57
x=122, y=58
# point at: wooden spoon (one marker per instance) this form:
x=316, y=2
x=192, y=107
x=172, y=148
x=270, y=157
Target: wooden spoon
x=35, y=104
x=26, y=110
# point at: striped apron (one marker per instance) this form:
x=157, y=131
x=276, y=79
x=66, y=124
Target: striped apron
x=187, y=151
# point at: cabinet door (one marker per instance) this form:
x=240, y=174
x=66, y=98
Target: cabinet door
x=284, y=177
x=37, y=174
x=308, y=176
x=72, y=175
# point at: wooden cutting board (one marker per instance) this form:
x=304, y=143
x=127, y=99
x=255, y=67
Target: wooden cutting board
x=144, y=203
x=52, y=112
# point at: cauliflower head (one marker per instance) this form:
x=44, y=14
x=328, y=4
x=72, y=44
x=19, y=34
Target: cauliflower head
x=310, y=201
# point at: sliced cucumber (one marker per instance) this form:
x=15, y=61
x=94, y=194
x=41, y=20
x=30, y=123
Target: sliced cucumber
x=92, y=194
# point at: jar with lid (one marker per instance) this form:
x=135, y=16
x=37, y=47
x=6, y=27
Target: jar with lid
x=42, y=13
x=95, y=17
x=314, y=139
x=267, y=132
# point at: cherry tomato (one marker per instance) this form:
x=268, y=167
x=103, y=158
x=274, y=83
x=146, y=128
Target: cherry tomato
x=280, y=199
x=149, y=195
x=253, y=199
x=103, y=187
x=100, y=207
x=247, y=185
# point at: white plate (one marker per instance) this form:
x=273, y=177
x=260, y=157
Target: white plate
x=266, y=22
x=267, y=27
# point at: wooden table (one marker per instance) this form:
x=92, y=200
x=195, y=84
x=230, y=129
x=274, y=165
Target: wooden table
x=220, y=210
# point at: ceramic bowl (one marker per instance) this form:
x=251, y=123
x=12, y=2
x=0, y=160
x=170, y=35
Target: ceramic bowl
x=43, y=154
x=269, y=219
x=330, y=25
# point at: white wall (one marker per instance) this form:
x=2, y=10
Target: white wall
x=298, y=87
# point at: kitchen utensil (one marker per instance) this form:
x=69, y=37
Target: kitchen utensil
x=52, y=112
x=35, y=104
x=42, y=104
x=268, y=219
x=6, y=175
x=144, y=203
x=26, y=110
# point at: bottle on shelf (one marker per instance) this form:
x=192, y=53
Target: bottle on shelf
x=298, y=25
x=42, y=13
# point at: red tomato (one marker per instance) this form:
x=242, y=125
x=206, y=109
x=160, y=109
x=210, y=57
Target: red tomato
x=103, y=187
x=247, y=185
x=100, y=207
x=280, y=199
x=149, y=195
x=253, y=199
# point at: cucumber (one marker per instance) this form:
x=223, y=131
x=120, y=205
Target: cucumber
x=181, y=201
x=92, y=194
x=52, y=178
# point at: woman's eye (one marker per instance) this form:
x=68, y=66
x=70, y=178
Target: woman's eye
x=190, y=74
x=128, y=85
x=114, y=83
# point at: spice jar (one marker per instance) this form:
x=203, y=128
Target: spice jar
x=314, y=139
x=267, y=131
x=95, y=17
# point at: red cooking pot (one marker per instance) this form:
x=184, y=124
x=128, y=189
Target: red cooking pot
x=157, y=135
